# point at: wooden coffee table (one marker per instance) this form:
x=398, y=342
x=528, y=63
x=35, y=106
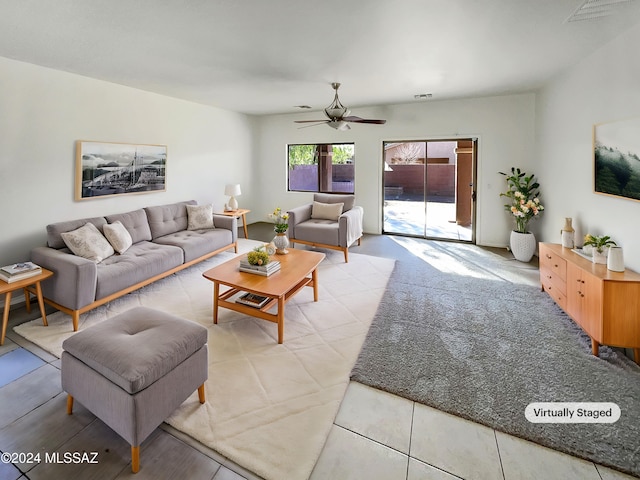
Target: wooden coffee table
x=298, y=269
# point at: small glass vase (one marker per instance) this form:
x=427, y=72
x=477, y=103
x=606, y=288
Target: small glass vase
x=281, y=241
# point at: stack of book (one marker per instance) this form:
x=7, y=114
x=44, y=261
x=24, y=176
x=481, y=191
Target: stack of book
x=253, y=300
x=266, y=270
x=19, y=271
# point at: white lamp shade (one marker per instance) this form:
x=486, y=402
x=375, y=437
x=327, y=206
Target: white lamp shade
x=232, y=190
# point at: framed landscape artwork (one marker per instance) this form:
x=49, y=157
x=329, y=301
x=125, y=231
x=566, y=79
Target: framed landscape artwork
x=616, y=153
x=106, y=169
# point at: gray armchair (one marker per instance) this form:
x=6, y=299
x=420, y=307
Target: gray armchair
x=324, y=224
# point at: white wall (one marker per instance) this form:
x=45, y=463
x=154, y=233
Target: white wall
x=44, y=112
x=601, y=88
x=504, y=126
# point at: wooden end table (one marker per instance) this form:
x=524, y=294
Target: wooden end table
x=9, y=288
x=298, y=269
x=239, y=213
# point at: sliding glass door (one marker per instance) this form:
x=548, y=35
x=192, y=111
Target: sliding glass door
x=429, y=188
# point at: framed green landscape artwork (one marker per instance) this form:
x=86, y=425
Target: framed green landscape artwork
x=105, y=169
x=616, y=153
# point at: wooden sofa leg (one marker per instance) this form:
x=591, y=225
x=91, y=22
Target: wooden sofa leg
x=135, y=459
x=69, y=404
x=346, y=255
x=201, y=393
x=75, y=318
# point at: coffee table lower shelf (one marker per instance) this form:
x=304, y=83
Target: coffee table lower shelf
x=253, y=311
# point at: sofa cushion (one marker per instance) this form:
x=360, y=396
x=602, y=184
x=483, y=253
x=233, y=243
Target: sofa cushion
x=320, y=231
x=135, y=222
x=142, y=261
x=166, y=219
x=54, y=240
x=326, y=211
x=348, y=200
x=118, y=236
x=199, y=217
x=137, y=347
x=88, y=242
x=196, y=243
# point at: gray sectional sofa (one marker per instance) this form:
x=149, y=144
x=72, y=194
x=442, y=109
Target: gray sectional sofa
x=161, y=245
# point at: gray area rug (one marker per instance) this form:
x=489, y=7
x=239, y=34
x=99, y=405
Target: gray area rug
x=473, y=343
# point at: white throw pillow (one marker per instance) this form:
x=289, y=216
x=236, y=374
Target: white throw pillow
x=199, y=216
x=326, y=211
x=88, y=242
x=118, y=236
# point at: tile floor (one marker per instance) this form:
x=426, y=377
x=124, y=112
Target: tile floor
x=376, y=435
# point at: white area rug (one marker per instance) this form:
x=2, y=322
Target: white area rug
x=269, y=407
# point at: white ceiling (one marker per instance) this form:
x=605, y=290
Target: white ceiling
x=267, y=56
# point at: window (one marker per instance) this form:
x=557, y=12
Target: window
x=324, y=168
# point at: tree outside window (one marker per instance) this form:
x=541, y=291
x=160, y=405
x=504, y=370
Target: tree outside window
x=324, y=168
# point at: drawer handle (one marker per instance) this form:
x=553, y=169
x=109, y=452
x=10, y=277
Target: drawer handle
x=548, y=256
x=556, y=265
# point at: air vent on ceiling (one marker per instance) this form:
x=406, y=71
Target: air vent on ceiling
x=593, y=9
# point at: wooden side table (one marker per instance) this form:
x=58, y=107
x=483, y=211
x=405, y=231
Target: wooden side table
x=239, y=213
x=9, y=288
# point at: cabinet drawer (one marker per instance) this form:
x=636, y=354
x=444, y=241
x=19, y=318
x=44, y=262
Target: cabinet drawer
x=551, y=277
x=554, y=263
x=559, y=297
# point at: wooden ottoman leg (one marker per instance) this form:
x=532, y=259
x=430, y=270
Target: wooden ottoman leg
x=135, y=458
x=69, y=404
x=201, y=393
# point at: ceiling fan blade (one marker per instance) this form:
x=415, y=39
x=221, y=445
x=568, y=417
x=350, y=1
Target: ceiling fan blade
x=363, y=120
x=310, y=121
x=318, y=122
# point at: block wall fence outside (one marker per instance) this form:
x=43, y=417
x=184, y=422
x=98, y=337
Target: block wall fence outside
x=440, y=179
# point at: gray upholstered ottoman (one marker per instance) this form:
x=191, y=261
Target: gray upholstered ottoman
x=134, y=370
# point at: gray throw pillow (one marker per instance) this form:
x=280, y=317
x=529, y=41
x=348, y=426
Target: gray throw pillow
x=199, y=217
x=118, y=236
x=88, y=242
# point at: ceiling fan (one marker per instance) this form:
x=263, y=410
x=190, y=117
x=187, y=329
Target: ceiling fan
x=338, y=115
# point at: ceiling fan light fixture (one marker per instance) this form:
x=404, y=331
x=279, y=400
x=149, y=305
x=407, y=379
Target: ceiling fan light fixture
x=422, y=96
x=339, y=125
x=339, y=116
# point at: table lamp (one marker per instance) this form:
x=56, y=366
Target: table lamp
x=232, y=190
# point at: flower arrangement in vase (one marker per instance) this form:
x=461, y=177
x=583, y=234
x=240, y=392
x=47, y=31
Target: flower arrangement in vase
x=280, y=219
x=525, y=205
x=523, y=192
x=599, y=246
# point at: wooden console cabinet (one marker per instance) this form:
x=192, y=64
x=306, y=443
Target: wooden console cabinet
x=605, y=304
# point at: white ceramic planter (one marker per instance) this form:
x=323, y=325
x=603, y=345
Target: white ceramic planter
x=599, y=257
x=281, y=241
x=615, y=259
x=523, y=245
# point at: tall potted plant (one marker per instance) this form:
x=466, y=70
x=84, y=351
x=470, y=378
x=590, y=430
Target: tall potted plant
x=524, y=205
